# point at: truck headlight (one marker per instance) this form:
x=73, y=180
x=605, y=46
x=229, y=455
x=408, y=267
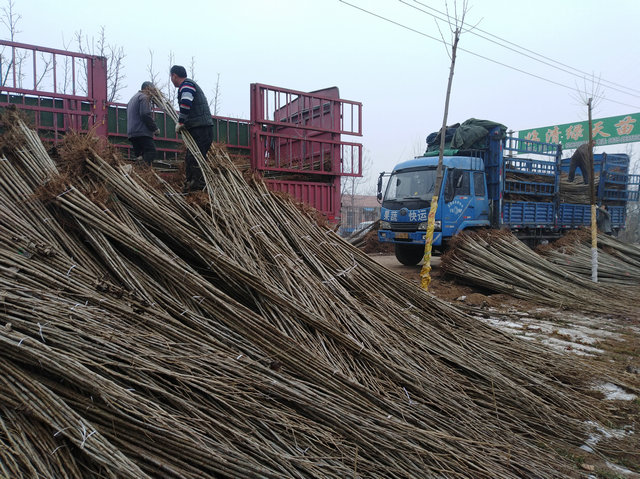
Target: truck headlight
x=437, y=225
x=385, y=225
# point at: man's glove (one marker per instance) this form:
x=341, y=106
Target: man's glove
x=157, y=132
x=179, y=127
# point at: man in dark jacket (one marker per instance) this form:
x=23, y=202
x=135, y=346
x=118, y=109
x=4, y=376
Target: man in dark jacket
x=580, y=159
x=140, y=125
x=195, y=117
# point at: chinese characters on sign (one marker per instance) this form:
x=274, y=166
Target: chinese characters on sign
x=606, y=131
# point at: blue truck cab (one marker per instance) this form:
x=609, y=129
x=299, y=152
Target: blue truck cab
x=512, y=183
x=407, y=200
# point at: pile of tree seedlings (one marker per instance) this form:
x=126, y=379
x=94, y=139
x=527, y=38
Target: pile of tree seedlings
x=527, y=186
x=149, y=334
x=618, y=262
x=499, y=262
x=576, y=192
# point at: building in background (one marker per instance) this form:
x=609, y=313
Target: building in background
x=357, y=209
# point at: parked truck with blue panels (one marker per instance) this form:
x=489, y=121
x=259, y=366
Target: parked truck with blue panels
x=512, y=184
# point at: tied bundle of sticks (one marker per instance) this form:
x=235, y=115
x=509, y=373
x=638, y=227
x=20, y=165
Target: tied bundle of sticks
x=145, y=334
x=576, y=192
x=618, y=262
x=497, y=261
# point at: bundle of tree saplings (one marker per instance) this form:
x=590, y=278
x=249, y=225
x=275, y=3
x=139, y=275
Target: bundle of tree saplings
x=576, y=192
x=149, y=334
x=618, y=262
x=498, y=261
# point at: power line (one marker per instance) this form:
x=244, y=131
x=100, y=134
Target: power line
x=582, y=74
x=475, y=54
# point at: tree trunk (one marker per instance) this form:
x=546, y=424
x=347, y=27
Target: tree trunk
x=425, y=273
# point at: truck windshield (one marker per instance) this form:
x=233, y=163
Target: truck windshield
x=411, y=185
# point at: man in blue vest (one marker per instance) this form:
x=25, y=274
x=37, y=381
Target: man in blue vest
x=141, y=128
x=194, y=117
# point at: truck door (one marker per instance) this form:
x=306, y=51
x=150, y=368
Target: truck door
x=461, y=209
x=481, y=208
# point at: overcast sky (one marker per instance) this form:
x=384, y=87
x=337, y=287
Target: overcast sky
x=399, y=75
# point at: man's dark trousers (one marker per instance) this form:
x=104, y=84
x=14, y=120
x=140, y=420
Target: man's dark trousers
x=203, y=136
x=144, y=146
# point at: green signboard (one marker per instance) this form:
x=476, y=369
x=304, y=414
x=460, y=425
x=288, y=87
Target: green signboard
x=606, y=131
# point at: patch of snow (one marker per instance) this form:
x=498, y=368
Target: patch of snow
x=621, y=470
x=575, y=338
x=577, y=348
x=562, y=330
x=499, y=323
x=613, y=392
x=599, y=432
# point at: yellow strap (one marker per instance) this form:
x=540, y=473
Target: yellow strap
x=425, y=273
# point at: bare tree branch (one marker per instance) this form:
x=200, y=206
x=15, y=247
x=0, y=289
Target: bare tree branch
x=153, y=74
x=591, y=88
x=48, y=66
x=216, y=100
x=456, y=28
x=115, y=56
x=66, y=76
x=10, y=19
x=169, y=90
x=192, y=69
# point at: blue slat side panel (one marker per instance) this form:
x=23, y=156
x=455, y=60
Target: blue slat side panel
x=574, y=215
x=618, y=215
x=528, y=213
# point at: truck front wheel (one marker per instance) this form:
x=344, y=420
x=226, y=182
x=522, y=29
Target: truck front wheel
x=409, y=254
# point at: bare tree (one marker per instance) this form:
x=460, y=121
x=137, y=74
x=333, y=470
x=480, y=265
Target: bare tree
x=590, y=95
x=10, y=19
x=356, y=185
x=64, y=80
x=153, y=74
x=192, y=69
x=165, y=86
x=46, y=65
x=216, y=99
x=456, y=23
x=115, y=56
x=353, y=186
x=169, y=90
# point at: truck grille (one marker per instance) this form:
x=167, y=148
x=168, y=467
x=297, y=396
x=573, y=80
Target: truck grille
x=411, y=227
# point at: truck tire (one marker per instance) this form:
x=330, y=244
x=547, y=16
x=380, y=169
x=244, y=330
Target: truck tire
x=409, y=254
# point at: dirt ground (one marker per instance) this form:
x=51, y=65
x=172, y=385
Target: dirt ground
x=448, y=289
x=606, y=341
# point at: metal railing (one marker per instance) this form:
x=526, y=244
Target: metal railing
x=58, y=90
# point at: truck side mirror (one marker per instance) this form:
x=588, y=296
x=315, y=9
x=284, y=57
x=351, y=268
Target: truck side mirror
x=379, y=195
